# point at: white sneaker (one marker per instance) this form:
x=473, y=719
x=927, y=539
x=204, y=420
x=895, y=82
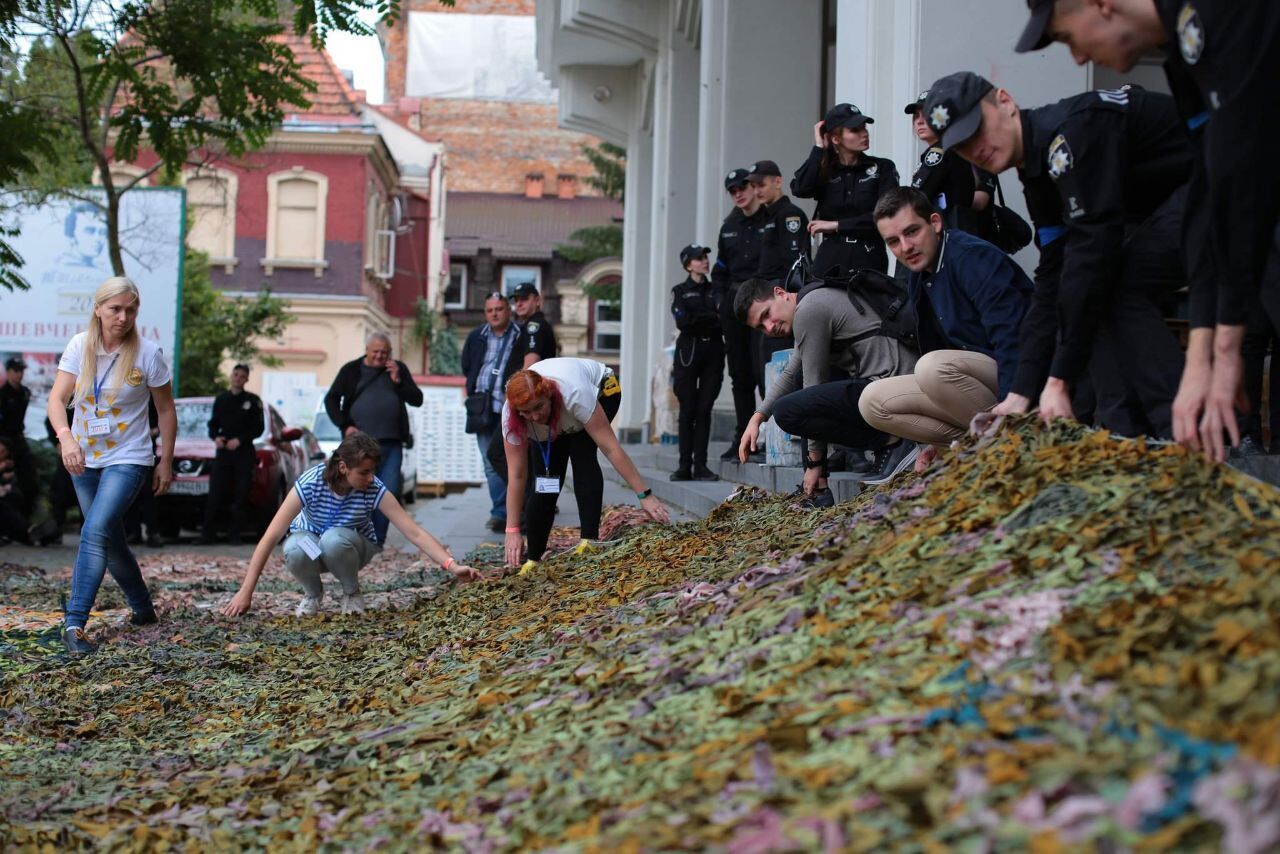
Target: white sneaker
x=308, y=607
x=352, y=603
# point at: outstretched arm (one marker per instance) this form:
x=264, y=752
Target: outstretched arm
x=290, y=507
x=426, y=543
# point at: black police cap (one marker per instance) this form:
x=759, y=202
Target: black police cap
x=15, y=363
x=763, y=168
x=736, y=178
x=844, y=116
x=954, y=106
x=1034, y=36
x=524, y=289
x=692, y=252
x=914, y=107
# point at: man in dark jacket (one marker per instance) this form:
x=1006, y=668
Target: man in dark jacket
x=488, y=361
x=236, y=420
x=369, y=395
x=969, y=300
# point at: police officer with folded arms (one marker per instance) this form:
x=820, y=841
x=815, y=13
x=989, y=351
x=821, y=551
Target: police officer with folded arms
x=1223, y=62
x=698, y=370
x=737, y=259
x=1104, y=177
x=846, y=182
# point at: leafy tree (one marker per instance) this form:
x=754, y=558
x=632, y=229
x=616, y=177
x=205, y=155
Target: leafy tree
x=601, y=241
x=431, y=328
x=610, y=164
x=217, y=327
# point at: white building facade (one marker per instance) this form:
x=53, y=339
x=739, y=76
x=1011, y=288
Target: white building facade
x=694, y=88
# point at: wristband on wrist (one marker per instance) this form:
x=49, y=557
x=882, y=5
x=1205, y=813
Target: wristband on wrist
x=514, y=530
x=643, y=495
x=448, y=563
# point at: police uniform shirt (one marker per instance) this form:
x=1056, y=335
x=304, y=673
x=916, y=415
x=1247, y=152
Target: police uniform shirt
x=696, y=308
x=945, y=178
x=848, y=194
x=784, y=237
x=237, y=416
x=1223, y=66
x=1092, y=163
x=536, y=336
x=13, y=408
x=738, y=247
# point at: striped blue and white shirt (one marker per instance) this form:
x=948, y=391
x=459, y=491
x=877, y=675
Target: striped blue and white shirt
x=323, y=509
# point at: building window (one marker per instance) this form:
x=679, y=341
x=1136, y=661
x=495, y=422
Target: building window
x=295, y=220
x=514, y=275
x=122, y=175
x=455, y=296
x=376, y=221
x=211, y=203
x=607, y=334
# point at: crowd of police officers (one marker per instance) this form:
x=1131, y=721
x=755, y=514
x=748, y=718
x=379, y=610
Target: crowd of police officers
x=1144, y=206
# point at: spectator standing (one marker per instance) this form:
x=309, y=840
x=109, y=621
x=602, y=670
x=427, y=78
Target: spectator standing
x=107, y=374
x=14, y=399
x=237, y=419
x=486, y=363
x=370, y=396
x=537, y=339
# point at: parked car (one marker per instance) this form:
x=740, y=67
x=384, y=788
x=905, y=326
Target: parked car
x=282, y=454
x=329, y=437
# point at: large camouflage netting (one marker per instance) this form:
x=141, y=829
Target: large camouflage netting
x=1057, y=638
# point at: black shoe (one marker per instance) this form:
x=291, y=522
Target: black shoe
x=821, y=498
x=757, y=456
x=682, y=474
x=144, y=618
x=77, y=642
x=851, y=460
x=731, y=453
x=496, y=525
x=44, y=534
x=1249, y=447
x=154, y=541
x=704, y=474
x=891, y=461
x=134, y=539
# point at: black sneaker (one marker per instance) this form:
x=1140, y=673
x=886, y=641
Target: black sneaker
x=681, y=474
x=705, y=474
x=731, y=453
x=1249, y=447
x=44, y=534
x=144, y=618
x=820, y=499
x=77, y=642
x=892, y=460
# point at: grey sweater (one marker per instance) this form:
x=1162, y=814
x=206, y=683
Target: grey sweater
x=824, y=326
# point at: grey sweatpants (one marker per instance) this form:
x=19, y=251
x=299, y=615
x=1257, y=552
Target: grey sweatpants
x=343, y=552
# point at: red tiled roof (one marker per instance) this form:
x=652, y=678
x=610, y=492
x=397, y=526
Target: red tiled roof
x=334, y=98
x=519, y=228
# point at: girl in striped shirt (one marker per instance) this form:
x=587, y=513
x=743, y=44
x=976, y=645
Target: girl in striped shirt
x=328, y=516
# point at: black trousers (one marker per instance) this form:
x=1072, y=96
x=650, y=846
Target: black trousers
x=588, y=483
x=143, y=509
x=1261, y=337
x=697, y=376
x=1136, y=363
x=229, y=483
x=24, y=470
x=13, y=519
x=841, y=255
x=829, y=413
x=740, y=346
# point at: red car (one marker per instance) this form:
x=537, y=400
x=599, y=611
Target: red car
x=282, y=455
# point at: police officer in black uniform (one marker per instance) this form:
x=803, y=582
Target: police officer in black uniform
x=14, y=399
x=235, y=422
x=537, y=338
x=784, y=235
x=699, y=361
x=737, y=259
x=1222, y=62
x=1104, y=177
x=846, y=182
x=961, y=192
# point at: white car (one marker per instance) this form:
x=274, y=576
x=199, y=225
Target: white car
x=327, y=435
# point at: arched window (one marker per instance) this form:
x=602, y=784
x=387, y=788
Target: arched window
x=122, y=174
x=295, y=220
x=211, y=205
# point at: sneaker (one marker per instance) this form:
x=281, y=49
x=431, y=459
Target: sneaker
x=352, y=603
x=308, y=607
x=893, y=460
x=77, y=642
x=496, y=525
x=587, y=547
x=527, y=567
x=144, y=618
x=44, y=534
x=702, y=473
x=681, y=474
x=1249, y=447
x=820, y=499
x=731, y=453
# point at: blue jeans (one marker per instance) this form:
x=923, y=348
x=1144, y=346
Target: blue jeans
x=497, y=485
x=389, y=474
x=105, y=495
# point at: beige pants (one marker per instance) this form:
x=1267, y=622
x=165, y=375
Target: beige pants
x=935, y=404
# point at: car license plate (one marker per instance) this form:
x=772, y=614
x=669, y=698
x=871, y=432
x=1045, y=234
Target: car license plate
x=188, y=487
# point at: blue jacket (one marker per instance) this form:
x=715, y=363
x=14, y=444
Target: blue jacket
x=975, y=301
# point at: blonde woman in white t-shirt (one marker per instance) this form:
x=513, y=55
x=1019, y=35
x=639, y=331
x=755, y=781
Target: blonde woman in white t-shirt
x=107, y=375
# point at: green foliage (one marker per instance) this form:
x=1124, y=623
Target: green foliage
x=609, y=293
x=610, y=164
x=430, y=327
x=216, y=327
x=597, y=241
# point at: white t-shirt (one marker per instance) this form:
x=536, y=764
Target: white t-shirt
x=579, y=383
x=125, y=407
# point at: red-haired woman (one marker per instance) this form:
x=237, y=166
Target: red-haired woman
x=561, y=412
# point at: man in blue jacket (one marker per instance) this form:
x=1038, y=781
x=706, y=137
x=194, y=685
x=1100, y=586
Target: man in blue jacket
x=970, y=299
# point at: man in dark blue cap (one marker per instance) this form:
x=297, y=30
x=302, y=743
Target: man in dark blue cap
x=1223, y=63
x=1104, y=177
x=698, y=371
x=737, y=259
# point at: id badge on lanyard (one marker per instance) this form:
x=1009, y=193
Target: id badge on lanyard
x=546, y=485
x=99, y=425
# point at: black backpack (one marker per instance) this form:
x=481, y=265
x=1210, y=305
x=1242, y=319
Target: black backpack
x=868, y=290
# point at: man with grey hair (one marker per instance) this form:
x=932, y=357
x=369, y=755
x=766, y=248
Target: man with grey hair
x=369, y=395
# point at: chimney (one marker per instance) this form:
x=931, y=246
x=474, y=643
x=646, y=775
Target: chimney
x=566, y=186
x=533, y=185
x=409, y=106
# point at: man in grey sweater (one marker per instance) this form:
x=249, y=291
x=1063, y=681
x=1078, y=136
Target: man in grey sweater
x=839, y=351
